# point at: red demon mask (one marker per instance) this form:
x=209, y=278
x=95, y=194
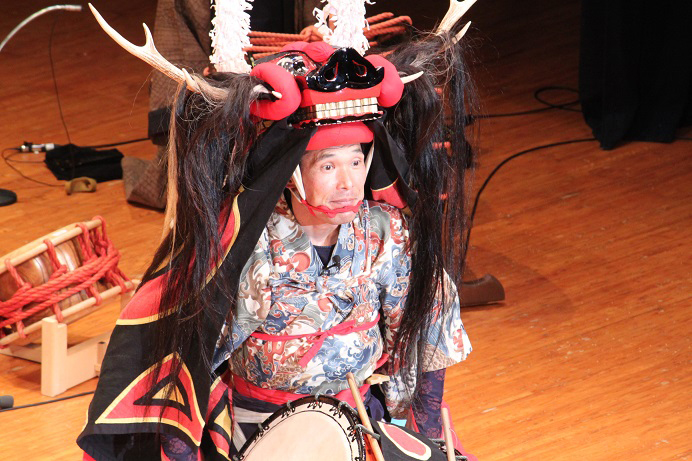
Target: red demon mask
x=334, y=89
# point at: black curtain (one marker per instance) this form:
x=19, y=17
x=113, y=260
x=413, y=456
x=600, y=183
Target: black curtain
x=273, y=16
x=635, y=73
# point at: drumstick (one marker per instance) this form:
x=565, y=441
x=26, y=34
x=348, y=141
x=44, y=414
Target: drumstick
x=447, y=432
x=364, y=416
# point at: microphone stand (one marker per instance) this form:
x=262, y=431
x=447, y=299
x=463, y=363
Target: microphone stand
x=7, y=197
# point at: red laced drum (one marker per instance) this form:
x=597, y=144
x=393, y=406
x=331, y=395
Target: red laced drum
x=313, y=428
x=65, y=273
x=318, y=428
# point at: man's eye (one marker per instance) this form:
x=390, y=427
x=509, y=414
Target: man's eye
x=357, y=162
x=327, y=167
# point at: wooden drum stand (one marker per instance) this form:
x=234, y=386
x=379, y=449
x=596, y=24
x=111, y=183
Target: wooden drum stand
x=50, y=283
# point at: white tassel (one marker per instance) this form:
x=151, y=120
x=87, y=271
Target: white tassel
x=229, y=35
x=349, y=21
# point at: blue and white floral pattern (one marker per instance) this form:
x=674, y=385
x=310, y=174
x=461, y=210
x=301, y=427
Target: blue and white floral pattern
x=286, y=291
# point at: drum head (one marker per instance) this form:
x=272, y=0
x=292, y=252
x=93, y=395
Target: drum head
x=308, y=429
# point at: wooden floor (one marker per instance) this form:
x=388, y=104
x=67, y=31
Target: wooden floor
x=588, y=358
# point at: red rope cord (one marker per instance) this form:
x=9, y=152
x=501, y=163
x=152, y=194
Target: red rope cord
x=385, y=31
x=250, y=49
x=267, y=43
x=21, y=284
x=100, y=264
x=262, y=55
x=59, y=270
x=391, y=22
x=85, y=246
x=276, y=35
x=379, y=17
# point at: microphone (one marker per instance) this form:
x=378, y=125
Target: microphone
x=36, y=148
x=336, y=264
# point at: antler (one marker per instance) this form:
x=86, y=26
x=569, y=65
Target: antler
x=461, y=33
x=457, y=8
x=149, y=54
x=409, y=78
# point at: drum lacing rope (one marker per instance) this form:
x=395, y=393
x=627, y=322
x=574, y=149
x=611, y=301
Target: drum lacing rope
x=100, y=265
x=442, y=445
x=368, y=431
x=341, y=404
x=267, y=43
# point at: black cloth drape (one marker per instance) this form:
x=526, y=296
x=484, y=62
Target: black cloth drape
x=635, y=74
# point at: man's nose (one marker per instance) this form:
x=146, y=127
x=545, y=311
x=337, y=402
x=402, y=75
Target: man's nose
x=345, y=179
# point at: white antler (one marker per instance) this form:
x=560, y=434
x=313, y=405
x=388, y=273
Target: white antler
x=298, y=182
x=410, y=78
x=457, y=8
x=368, y=160
x=149, y=54
x=461, y=33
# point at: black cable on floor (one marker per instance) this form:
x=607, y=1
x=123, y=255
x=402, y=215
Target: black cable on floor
x=537, y=96
x=497, y=168
x=47, y=402
x=7, y=158
x=116, y=144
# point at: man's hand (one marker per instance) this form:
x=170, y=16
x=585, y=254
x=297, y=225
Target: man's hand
x=208, y=70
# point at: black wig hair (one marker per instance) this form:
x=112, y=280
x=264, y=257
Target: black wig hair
x=430, y=125
x=208, y=148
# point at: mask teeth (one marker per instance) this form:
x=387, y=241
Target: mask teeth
x=362, y=106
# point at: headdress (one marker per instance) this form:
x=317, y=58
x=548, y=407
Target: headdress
x=236, y=141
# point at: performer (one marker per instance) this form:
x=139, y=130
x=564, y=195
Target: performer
x=266, y=289
x=328, y=273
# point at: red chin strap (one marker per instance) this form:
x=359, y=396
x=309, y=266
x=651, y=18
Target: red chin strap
x=331, y=212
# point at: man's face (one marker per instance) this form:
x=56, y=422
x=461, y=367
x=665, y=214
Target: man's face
x=335, y=178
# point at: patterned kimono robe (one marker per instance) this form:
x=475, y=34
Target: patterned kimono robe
x=287, y=301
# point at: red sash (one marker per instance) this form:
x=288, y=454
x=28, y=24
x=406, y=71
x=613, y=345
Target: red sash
x=281, y=397
x=317, y=338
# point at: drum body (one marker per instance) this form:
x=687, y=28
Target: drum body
x=313, y=428
x=49, y=275
x=318, y=428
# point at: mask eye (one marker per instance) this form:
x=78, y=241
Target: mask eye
x=295, y=64
x=361, y=70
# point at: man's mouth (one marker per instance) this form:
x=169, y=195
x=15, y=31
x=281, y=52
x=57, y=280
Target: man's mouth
x=343, y=202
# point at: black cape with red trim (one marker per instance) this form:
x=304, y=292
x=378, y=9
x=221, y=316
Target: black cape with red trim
x=403, y=444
